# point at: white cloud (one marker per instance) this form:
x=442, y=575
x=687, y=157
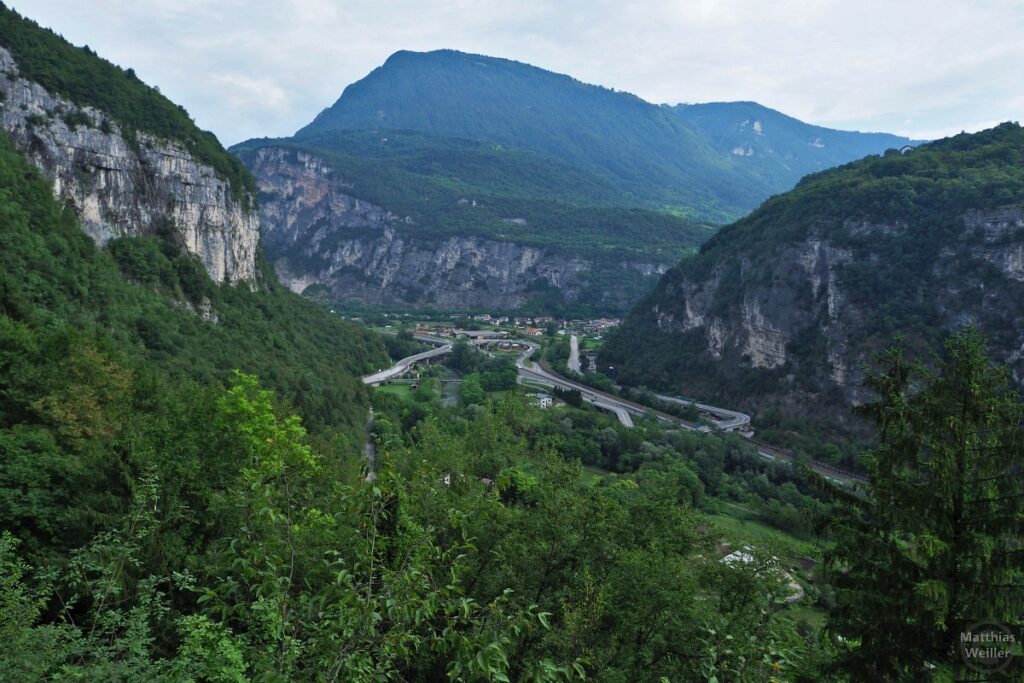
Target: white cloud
x=241, y=91
x=266, y=67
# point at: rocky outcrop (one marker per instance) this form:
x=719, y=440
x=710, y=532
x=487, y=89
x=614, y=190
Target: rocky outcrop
x=754, y=326
x=802, y=311
x=119, y=188
x=316, y=233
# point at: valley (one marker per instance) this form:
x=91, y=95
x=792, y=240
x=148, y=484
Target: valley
x=532, y=193
x=489, y=374
x=537, y=374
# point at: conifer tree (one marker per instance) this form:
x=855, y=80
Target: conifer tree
x=935, y=547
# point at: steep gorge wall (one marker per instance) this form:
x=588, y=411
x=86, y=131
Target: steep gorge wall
x=811, y=314
x=120, y=189
x=316, y=233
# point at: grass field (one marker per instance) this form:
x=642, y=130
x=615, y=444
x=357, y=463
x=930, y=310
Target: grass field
x=403, y=391
x=739, y=526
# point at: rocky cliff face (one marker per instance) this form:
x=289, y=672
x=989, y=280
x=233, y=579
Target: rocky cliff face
x=789, y=307
x=122, y=189
x=316, y=233
x=806, y=316
x=759, y=323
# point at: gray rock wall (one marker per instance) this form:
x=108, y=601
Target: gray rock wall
x=121, y=190
x=316, y=233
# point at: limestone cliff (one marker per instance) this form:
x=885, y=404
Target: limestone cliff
x=316, y=232
x=120, y=188
x=789, y=307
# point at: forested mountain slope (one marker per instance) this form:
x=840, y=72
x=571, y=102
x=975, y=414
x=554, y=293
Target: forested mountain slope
x=655, y=155
x=637, y=147
x=368, y=231
x=779, y=149
x=781, y=309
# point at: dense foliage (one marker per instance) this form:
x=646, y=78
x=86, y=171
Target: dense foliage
x=481, y=373
x=86, y=79
x=622, y=566
x=933, y=552
x=482, y=165
x=56, y=283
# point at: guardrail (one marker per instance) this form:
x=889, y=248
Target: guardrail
x=787, y=454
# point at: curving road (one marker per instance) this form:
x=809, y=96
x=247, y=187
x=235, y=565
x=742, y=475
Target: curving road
x=535, y=374
x=403, y=366
x=724, y=419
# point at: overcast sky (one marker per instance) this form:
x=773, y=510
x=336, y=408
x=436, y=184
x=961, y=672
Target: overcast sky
x=253, y=68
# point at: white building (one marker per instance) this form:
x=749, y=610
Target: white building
x=544, y=401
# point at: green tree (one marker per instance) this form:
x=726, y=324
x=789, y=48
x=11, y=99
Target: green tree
x=936, y=544
x=471, y=391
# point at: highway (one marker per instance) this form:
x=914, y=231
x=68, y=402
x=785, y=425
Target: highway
x=533, y=373
x=726, y=420
x=528, y=371
x=403, y=366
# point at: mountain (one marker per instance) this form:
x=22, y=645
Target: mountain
x=131, y=235
x=643, y=150
x=781, y=310
x=461, y=181
x=780, y=149
x=658, y=156
x=124, y=157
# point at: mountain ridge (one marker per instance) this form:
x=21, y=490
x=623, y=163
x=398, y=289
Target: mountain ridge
x=783, y=310
x=756, y=133
x=464, y=147
x=652, y=152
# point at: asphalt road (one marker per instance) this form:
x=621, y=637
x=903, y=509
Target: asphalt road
x=535, y=374
x=723, y=418
x=403, y=366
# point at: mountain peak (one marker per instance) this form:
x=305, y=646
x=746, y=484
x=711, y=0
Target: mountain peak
x=711, y=161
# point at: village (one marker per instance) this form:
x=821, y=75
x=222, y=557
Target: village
x=507, y=327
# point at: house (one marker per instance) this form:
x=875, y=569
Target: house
x=906, y=148
x=544, y=401
x=481, y=335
